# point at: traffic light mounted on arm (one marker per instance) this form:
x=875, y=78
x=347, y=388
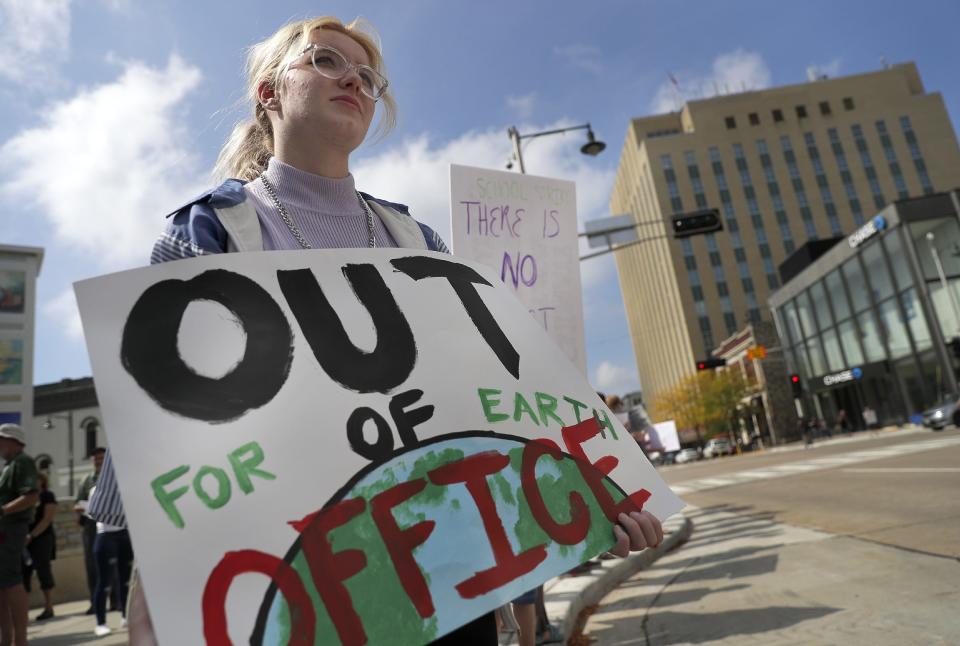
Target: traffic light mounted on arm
x=710, y=364
x=696, y=222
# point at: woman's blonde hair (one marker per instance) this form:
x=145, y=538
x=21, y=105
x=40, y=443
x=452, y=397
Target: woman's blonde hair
x=248, y=150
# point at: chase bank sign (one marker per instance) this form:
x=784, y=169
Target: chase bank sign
x=842, y=377
x=867, y=231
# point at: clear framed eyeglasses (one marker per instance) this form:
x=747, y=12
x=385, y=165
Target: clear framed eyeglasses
x=331, y=63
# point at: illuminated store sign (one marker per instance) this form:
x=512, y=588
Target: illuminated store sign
x=867, y=231
x=842, y=377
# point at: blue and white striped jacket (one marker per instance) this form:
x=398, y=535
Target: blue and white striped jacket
x=222, y=220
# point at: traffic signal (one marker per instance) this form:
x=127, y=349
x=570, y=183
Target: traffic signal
x=796, y=385
x=696, y=222
x=710, y=364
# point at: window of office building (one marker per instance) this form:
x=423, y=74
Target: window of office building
x=845, y=176
x=754, y=119
x=891, y=157
x=875, y=268
x=777, y=115
x=818, y=364
x=870, y=337
x=731, y=123
x=803, y=358
x=825, y=108
x=895, y=331
x=915, y=155
x=773, y=188
x=848, y=103
x=805, y=313
x=831, y=348
x=867, y=161
x=838, y=296
x=693, y=274
x=801, y=111
x=755, y=216
x=946, y=234
x=856, y=284
x=898, y=259
x=850, y=340
x=825, y=195
x=821, y=307
x=916, y=320
x=792, y=321
x=798, y=189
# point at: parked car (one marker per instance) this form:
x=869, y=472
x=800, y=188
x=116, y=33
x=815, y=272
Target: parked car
x=717, y=446
x=687, y=455
x=942, y=414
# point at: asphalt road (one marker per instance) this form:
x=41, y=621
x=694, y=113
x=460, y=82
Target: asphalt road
x=849, y=542
x=910, y=501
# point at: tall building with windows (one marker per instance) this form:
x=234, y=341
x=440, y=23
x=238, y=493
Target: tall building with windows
x=782, y=166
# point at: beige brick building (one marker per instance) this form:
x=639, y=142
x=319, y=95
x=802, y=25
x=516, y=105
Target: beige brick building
x=782, y=166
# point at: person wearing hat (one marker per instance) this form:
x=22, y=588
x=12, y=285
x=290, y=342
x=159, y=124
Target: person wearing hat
x=18, y=498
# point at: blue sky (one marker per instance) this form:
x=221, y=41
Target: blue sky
x=114, y=110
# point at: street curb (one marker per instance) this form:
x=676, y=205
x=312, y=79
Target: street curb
x=613, y=576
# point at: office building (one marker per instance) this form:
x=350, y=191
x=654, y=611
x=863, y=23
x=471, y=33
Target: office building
x=875, y=320
x=19, y=267
x=782, y=166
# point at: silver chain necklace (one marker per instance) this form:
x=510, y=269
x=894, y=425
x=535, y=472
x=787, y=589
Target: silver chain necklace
x=371, y=242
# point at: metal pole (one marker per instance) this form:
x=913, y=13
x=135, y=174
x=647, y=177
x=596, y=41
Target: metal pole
x=943, y=279
x=70, y=448
x=515, y=137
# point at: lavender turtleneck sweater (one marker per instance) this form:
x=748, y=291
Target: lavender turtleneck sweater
x=325, y=210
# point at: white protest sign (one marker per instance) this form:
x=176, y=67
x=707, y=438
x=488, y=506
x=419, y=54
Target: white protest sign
x=524, y=227
x=354, y=446
x=667, y=438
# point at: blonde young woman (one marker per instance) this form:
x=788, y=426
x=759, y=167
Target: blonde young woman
x=314, y=87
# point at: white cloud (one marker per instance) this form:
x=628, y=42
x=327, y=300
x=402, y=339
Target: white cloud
x=416, y=172
x=732, y=72
x=585, y=57
x=63, y=309
x=522, y=106
x=105, y=165
x=613, y=378
x=831, y=68
x=34, y=39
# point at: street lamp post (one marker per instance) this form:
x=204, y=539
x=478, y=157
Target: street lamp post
x=943, y=278
x=49, y=425
x=593, y=147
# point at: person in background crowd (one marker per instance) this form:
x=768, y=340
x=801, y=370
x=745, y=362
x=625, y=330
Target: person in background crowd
x=869, y=417
x=843, y=422
x=42, y=546
x=112, y=545
x=18, y=497
x=807, y=428
x=89, y=533
x=314, y=87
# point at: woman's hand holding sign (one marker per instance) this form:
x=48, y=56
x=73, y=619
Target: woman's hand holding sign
x=637, y=530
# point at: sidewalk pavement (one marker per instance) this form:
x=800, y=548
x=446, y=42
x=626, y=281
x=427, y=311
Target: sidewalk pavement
x=71, y=626
x=567, y=596
x=845, y=438
x=744, y=578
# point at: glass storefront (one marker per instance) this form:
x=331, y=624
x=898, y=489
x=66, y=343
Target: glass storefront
x=869, y=325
